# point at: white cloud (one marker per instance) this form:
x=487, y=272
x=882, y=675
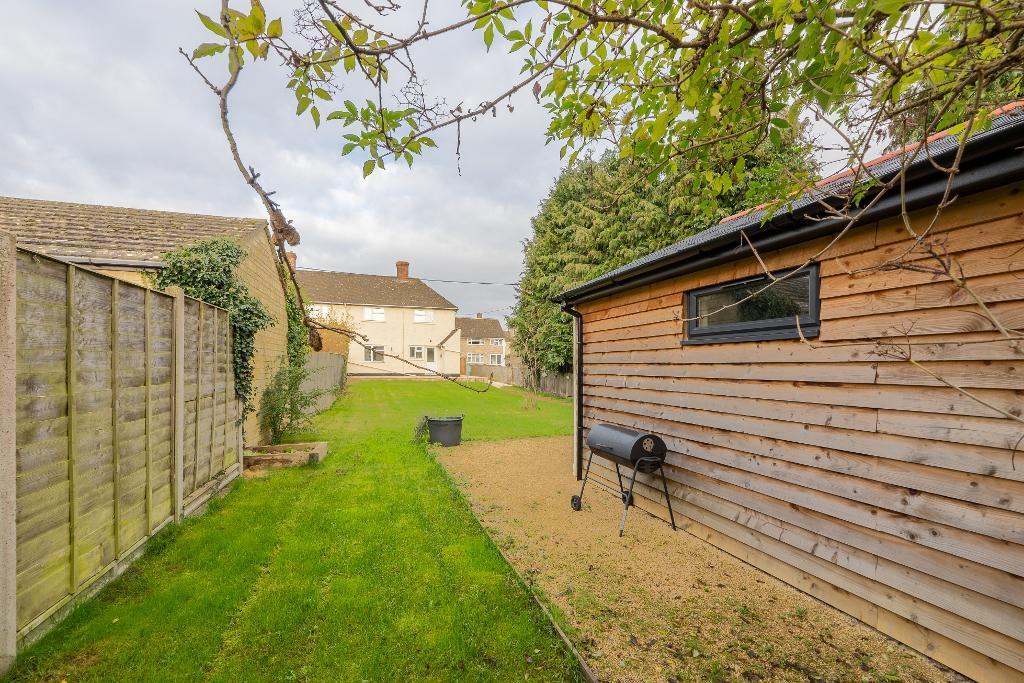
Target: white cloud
x=101, y=108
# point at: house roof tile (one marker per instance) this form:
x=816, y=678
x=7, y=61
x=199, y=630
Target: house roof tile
x=320, y=286
x=480, y=328
x=107, y=233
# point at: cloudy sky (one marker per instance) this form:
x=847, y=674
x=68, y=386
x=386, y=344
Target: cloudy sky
x=100, y=108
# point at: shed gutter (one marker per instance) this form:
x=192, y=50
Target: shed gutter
x=100, y=262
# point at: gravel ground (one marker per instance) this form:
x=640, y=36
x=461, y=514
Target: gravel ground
x=705, y=616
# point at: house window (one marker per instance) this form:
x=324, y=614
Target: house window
x=475, y=358
x=319, y=311
x=734, y=311
x=495, y=359
x=373, y=354
x=421, y=316
x=422, y=353
x=373, y=314
x=476, y=342
x=497, y=341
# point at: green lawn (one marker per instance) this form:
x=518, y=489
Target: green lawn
x=369, y=566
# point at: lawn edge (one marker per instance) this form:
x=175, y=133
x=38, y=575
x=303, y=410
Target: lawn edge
x=588, y=673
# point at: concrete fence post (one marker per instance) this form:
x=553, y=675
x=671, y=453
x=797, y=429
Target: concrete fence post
x=178, y=463
x=8, y=466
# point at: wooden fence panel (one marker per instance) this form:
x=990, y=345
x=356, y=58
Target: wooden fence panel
x=327, y=376
x=161, y=409
x=557, y=383
x=92, y=441
x=131, y=406
x=43, y=518
x=190, y=392
x=97, y=393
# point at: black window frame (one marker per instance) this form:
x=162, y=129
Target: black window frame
x=757, y=330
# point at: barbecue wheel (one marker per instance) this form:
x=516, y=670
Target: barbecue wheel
x=627, y=498
x=577, y=503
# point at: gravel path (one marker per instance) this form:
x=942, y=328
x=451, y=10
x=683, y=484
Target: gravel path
x=706, y=617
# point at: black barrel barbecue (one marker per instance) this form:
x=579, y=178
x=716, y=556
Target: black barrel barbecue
x=638, y=451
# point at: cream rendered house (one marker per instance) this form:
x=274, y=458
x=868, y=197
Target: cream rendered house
x=409, y=328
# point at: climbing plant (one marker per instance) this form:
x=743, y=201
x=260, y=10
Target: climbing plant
x=286, y=405
x=298, y=333
x=206, y=270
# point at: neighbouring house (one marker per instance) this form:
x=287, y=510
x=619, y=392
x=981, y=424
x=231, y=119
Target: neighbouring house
x=407, y=328
x=892, y=490
x=483, y=341
x=127, y=243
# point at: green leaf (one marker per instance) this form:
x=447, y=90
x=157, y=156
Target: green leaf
x=212, y=25
x=303, y=105
x=275, y=30
x=368, y=167
x=257, y=18
x=333, y=29
x=207, y=49
x=489, y=36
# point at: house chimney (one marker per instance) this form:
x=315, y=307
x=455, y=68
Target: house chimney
x=290, y=256
x=479, y=315
x=402, y=270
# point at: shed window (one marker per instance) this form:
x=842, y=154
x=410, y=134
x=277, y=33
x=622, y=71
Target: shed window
x=733, y=312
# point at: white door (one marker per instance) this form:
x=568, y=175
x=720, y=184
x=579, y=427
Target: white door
x=431, y=358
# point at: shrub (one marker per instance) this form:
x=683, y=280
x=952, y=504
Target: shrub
x=285, y=406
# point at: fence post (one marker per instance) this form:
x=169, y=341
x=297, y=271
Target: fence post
x=8, y=466
x=178, y=464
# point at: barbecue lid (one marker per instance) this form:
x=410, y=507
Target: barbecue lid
x=625, y=443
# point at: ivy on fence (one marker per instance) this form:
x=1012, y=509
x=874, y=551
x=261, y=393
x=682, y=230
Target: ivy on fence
x=206, y=270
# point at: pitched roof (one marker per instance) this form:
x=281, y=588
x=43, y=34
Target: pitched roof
x=480, y=328
x=109, y=234
x=998, y=147
x=321, y=286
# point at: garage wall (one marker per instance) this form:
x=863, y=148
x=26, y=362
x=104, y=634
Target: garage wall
x=260, y=273
x=862, y=480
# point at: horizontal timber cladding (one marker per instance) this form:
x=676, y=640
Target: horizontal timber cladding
x=95, y=406
x=893, y=490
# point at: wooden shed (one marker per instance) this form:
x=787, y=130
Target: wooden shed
x=889, y=487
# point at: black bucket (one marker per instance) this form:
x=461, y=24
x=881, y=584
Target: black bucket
x=446, y=431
